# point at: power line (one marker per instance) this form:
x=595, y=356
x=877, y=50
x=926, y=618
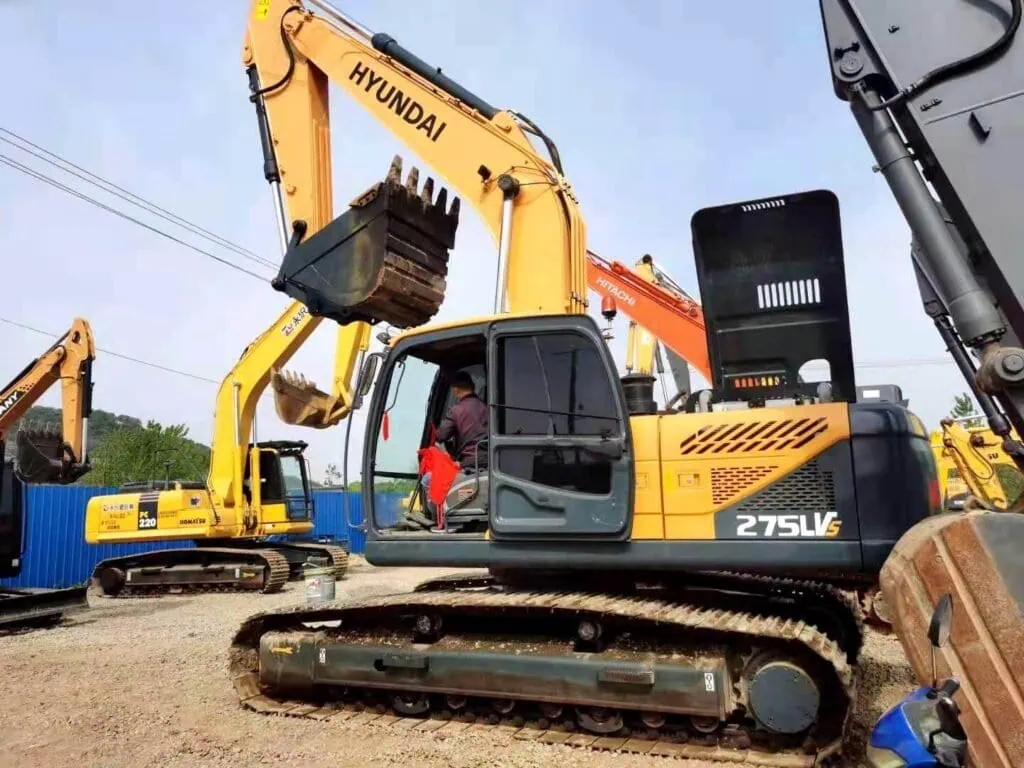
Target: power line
x=40, y=176
x=129, y=358
x=134, y=199
x=57, y=161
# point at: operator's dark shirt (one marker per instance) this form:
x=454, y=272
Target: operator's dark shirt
x=466, y=425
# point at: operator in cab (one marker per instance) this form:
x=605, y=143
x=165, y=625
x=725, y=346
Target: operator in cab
x=461, y=432
x=465, y=424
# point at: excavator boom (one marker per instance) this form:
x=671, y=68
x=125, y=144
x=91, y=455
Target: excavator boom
x=482, y=152
x=945, y=117
x=656, y=306
x=53, y=456
x=935, y=89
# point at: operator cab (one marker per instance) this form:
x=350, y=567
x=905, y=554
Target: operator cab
x=282, y=476
x=558, y=432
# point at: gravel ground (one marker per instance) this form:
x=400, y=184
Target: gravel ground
x=143, y=682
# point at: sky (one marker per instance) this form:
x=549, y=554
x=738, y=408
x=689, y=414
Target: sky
x=658, y=109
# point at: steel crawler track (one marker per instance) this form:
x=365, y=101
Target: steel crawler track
x=337, y=555
x=21, y=609
x=199, y=569
x=210, y=569
x=377, y=672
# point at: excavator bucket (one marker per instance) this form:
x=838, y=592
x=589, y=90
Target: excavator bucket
x=298, y=401
x=41, y=456
x=384, y=260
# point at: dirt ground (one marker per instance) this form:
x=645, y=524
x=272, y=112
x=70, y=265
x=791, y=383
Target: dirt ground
x=143, y=681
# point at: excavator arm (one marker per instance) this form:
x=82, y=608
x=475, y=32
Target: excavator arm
x=483, y=153
x=935, y=89
x=296, y=400
x=49, y=456
x=976, y=454
x=659, y=310
x=936, y=94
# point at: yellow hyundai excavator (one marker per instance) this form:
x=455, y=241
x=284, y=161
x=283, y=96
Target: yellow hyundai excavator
x=973, y=467
x=254, y=490
x=43, y=456
x=691, y=576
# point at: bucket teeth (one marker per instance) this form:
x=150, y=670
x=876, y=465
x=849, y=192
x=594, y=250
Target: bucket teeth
x=412, y=180
x=434, y=206
x=395, y=171
x=299, y=402
x=385, y=260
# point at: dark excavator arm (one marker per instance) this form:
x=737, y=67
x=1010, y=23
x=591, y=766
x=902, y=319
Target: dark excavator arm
x=50, y=456
x=936, y=90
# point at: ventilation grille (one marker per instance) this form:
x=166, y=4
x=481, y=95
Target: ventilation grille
x=729, y=482
x=764, y=205
x=789, y=293
x=753, y=436
x=808, y=489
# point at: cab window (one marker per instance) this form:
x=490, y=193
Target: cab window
x=405, y=412
x=555, y=385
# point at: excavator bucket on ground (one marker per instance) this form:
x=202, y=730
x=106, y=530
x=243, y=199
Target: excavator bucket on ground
x=42, y=456
x=300, y=402
x=384, y=260
x=976, y=557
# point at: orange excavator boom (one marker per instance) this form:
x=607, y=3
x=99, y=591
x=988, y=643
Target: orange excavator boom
x=677, y=321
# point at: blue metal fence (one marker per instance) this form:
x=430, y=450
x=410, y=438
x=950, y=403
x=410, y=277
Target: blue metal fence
x=56, y=554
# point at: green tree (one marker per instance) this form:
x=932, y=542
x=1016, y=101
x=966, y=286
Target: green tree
x=964, y=408
x=332, y=476
x=153, y=452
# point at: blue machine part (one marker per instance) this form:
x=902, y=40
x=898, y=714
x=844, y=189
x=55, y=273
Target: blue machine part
x=899, y=730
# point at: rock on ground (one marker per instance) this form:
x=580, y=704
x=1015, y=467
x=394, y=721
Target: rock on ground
x=144, y=682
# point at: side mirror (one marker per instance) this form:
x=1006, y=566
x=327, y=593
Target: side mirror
x=939, y=628
x=942, y=621
x=367, y=375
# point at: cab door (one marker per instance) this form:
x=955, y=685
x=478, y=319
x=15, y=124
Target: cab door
x=559, y=447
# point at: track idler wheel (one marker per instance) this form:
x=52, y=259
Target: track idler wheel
x=410, y=704
x=705, y=725
x=112, y=581
x=599, y=720
x=784, y=699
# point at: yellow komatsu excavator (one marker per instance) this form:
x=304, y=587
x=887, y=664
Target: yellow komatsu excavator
x=43, y=456
x=254, y=490
x=693, y=576
x=974, y=470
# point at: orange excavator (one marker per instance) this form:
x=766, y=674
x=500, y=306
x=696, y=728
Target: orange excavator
x=661, y=314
